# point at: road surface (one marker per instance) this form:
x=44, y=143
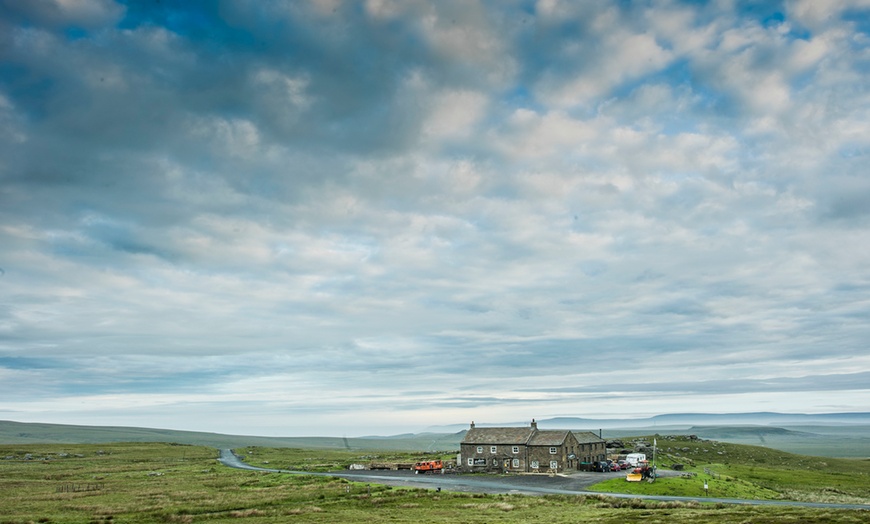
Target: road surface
x=518, y=484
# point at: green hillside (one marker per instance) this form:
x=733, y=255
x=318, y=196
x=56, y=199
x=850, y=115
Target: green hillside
x=19, y=433
x=746, y=471
x=845, y=441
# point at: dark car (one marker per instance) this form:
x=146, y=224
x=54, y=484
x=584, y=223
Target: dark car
x=602, y=466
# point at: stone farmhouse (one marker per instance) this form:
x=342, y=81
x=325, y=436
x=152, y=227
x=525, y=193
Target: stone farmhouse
x=528, y=450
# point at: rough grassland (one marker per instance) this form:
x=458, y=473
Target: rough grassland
x=741, y=471
x=140, y=482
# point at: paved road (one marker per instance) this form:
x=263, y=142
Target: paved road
x=519, y=484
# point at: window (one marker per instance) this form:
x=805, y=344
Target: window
x=516, y=463
x=553, y=451
x=516, y=449
x=534, y=464
x=471, y=462
x=554, y=464
x=493, y=449
x=480, y=449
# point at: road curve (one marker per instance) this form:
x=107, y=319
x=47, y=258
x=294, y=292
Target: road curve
x=537, y=486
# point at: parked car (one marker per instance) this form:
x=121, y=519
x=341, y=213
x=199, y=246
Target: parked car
x=602, y=466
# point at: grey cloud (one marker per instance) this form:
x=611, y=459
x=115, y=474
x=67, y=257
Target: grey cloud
x=56, y=14
x=495, y=194
x=833, y=382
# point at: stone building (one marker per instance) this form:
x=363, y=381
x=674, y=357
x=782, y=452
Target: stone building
x=528, y=449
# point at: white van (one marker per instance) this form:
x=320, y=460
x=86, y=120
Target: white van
x=635, y=458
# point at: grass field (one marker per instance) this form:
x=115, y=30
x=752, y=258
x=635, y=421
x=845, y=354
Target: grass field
x=755, y=472
x=140, y=482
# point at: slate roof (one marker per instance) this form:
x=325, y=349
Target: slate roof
x=497, y=436
x=526, y=435
x=549, y=437
x=587, y=437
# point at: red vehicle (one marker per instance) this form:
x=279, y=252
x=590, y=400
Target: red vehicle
x=645, y=471
x=429, y=465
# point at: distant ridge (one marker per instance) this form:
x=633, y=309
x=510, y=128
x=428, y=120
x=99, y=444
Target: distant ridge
x=827, y=434
x=684, y=420
x=31, y=432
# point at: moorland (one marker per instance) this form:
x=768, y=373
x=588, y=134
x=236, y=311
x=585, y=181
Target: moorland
x=172, y=482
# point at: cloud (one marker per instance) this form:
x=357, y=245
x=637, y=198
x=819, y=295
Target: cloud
x=64, y=14
x=375, y=215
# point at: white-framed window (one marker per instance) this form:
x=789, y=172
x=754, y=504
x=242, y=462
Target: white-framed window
x=493, y=449
x=553, y=451
x=480, y=449
x=516, y=463
x=515, y=449
x=554, y=464
x=471, y=462
x=534, y=464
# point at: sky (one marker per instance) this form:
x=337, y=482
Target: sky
x=368, y=218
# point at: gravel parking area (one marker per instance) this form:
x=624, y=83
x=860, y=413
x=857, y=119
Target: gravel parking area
x=531, y=484
x=482, y=483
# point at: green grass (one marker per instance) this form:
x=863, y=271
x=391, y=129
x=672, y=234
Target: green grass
x=690, y=487
x=139, y=483
x=742, y=471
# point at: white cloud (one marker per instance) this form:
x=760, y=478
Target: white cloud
x=454, y=115
x=822, y=15
x=529, y=134
x=237, y=221
x=619, y=58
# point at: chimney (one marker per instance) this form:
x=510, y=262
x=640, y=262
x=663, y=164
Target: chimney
x=472, y=424
x=534, y=424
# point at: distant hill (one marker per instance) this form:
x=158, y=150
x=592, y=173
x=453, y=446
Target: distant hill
x=682, y=420
x=754, y=432
x=24, y=432
x=825, y=434
x=828, y=435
